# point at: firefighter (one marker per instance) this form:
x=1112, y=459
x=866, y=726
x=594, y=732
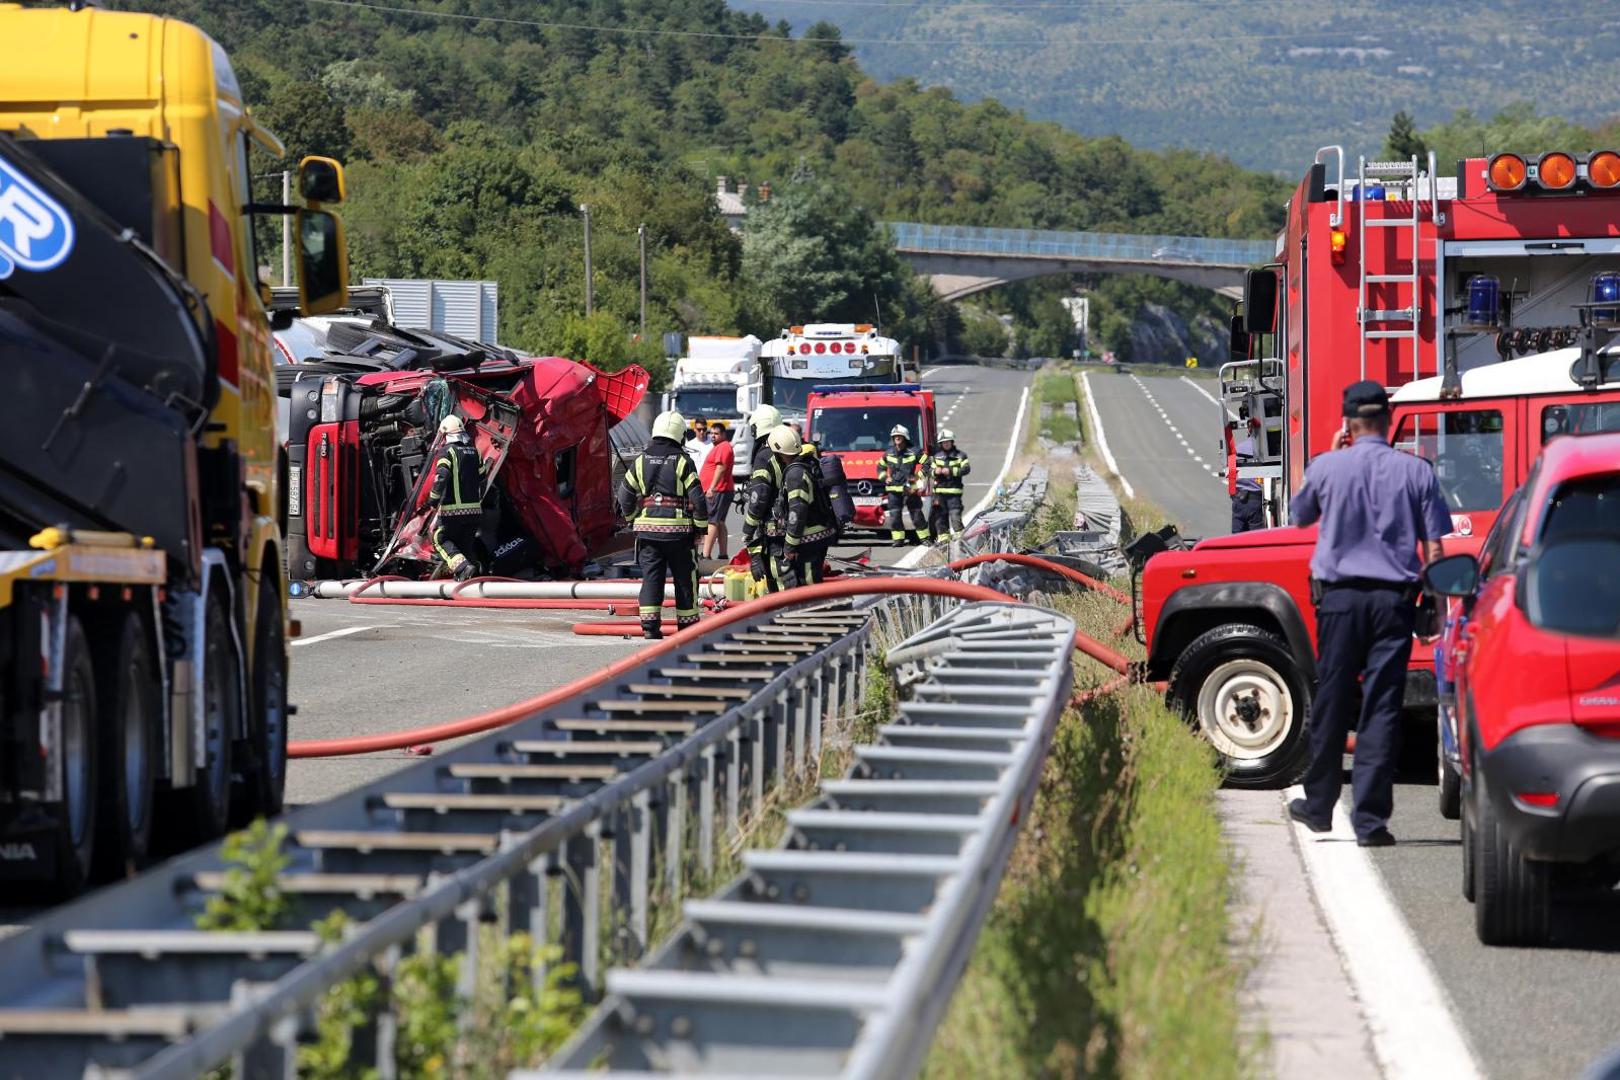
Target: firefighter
x=809, y=525
x=762, y=534
x=457, y=493
x=949, y=465
x=661, y=490
x=901, y=472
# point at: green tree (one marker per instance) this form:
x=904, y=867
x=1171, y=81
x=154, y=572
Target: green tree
x=1404, y=142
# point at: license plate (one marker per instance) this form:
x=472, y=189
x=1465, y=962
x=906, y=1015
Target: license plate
x=295, y=490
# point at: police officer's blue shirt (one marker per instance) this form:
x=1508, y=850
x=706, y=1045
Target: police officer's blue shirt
x=1244, y=451
x=1375, y=503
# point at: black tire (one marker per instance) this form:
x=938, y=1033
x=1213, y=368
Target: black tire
x=1248, y=674
x=1469, y=876
x=263, y=769
x=209, y=797
x=1512, y=894
x=76, y=814
x=129, y=692
x=1450, y=791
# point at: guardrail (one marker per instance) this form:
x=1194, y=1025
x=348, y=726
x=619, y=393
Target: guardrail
x=999, y=527
x=838, y=953
x=504, y=827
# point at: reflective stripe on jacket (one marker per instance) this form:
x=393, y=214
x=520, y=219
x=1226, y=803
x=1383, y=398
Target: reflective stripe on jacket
x=807, y=518
x=949, y=468
x=902, y=472
x=458, y=484
x=661, y=494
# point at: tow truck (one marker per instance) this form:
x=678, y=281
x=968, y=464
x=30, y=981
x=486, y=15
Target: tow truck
x=853, y=423
x=143, y=630
x=1479, y=300
x=814, y=355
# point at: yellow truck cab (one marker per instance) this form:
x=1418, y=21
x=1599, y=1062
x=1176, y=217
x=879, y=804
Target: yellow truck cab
x=142, y=605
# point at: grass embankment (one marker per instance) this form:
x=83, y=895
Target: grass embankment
x=1106, y=953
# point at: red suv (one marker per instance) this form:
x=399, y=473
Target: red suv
x=1537, y=692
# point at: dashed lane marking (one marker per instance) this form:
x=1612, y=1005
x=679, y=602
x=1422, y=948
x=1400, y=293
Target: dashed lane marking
x=1216, y=473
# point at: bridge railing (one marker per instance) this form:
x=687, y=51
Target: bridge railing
x=1055, y=244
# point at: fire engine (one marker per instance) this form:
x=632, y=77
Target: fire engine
x=1486, y=301
x=827, y=354
x=853, y=423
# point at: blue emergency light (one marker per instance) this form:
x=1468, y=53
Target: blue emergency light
x=1606, y=290
x=1484, y=300
x=867, y=388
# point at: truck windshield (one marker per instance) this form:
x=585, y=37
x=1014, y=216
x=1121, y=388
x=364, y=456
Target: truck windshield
x=1465, y=449
x=790, y=395
x=1580, y=419
x=863, y=429
x=709, y=402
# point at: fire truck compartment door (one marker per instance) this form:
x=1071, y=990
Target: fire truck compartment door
x=1474, y=249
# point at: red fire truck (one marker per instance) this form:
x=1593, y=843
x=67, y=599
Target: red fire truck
x=853, y=423
x=1481, y=300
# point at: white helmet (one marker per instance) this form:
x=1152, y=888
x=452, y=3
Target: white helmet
x=900, y=430
x=947, y=435
x=669, y=425
x=784, y=440
x=451, y=426
x=764, y=419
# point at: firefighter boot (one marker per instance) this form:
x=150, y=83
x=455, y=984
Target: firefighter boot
x=652, y=629
x=683, y=621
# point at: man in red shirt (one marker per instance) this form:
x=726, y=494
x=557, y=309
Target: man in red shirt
x=719, y=484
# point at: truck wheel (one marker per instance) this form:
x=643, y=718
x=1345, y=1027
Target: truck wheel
x=76, y=825
x=1239, y=684
x=1469, y=875
x=209, y=798
x=265, y=779
x=1512, y=894
x=127, y=689
x=1450, y=788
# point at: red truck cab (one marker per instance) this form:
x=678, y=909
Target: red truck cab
x=1474, y=299
x=854, y=424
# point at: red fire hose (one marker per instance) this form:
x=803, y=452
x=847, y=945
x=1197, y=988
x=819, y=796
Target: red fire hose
x=1044, y=564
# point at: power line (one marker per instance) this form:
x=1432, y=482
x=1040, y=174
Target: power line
x=1371, y=33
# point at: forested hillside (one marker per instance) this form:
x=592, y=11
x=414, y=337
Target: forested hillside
x=475, y=133
x=1263, y=83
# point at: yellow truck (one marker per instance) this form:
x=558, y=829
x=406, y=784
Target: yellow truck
x=143, y=618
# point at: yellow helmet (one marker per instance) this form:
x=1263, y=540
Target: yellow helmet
x=669, y=425
x=764, y=419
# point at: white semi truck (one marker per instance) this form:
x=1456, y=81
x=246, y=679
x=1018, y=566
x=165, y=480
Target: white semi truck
x=721, y=378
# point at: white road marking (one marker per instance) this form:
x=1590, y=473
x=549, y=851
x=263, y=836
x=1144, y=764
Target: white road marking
x=927, y=373
x=1171, y=424
x=345, y=632
x=1414, y=1030
x=1006, y=462
x=1102, y=436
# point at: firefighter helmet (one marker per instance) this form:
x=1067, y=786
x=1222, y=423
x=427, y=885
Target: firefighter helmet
x=784, y=440
x=451, y=426
x=669, y=425
x=947, y=435
x=900, y=431
x=764, y=419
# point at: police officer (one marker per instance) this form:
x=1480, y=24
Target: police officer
x=457, y=494
x=662, y=492
x=1375, y=505
x=901, y=471
x=1248, y=497
x=949, y=466
x=809, y=525
x=762, y=530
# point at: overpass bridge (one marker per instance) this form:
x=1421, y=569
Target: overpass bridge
x=960, y=260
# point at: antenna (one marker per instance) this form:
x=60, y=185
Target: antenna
x=878, y=311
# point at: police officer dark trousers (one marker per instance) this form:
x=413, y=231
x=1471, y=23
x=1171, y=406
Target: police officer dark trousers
x=664, y=501
x=457, y=493
x=901, y=471
x=1248, y=497
x=1375, y=505
x=809, y=525
x=950, y=465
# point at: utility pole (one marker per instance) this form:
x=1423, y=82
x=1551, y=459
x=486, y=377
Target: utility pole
x=641, y=242
x=590, y=283
x=286, y=228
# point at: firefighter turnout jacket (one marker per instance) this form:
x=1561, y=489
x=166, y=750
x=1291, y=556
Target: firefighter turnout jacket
x=760, y=501
x=949, y=467
x=458, y=482
x=903, y=471
x=661, y=495
x=806, y=511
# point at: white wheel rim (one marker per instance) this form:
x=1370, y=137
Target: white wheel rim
x=1245, y=709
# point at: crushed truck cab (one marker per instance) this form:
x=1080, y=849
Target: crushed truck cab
x=853, y=423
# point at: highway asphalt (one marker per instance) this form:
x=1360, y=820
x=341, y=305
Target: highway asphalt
x=362, y=670
x=1166, y=438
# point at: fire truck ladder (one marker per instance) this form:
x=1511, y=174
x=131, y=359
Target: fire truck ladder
x=1386, y=323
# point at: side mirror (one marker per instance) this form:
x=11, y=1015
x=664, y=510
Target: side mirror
x=323, y=262
x=320, y=180
x=1454, y=575
x=1238, y=347
x=1260, y=301
x=1572, y=586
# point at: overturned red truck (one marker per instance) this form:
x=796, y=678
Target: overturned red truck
x=1486, y=303
x=363, y=434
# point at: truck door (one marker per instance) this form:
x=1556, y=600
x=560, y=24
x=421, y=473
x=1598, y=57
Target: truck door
x=1476, y=451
